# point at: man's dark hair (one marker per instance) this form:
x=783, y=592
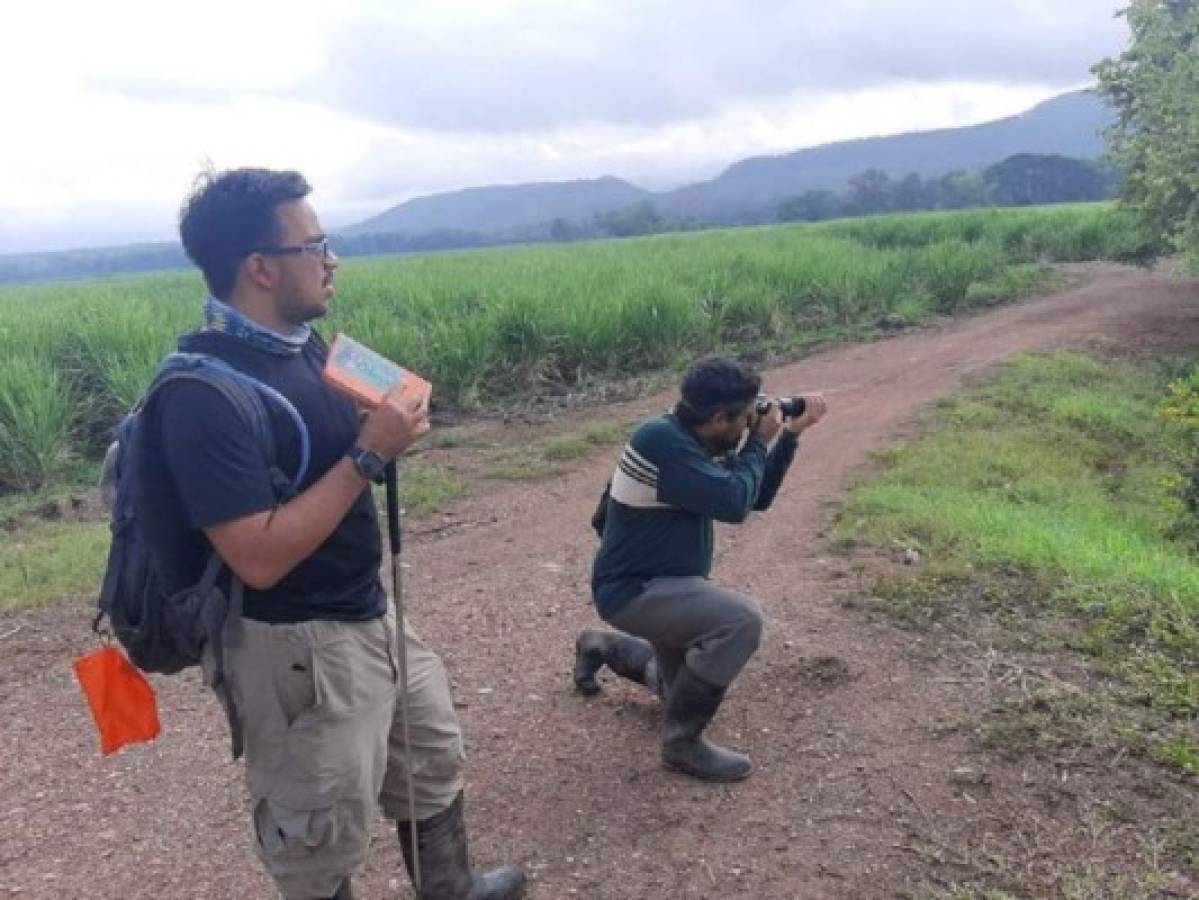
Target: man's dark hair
x=715, y=384
x=229, y=215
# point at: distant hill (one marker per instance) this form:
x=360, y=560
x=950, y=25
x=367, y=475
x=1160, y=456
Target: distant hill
x=505, y=208
x=1068, y=125
x=91, y=262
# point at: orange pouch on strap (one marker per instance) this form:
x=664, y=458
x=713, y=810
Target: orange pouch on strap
x=121, y=700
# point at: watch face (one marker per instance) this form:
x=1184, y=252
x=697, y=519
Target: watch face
x=369, y=463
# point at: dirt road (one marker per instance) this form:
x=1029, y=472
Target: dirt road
x=838, y=713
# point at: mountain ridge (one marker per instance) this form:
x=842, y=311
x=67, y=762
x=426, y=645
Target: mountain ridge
x=1066, y=125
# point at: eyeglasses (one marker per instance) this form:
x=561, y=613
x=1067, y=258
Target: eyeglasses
x=312, y=248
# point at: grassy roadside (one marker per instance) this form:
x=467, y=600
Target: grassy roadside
x=52, y=543
x=1033, y=516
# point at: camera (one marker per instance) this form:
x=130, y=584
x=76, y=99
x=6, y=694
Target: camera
x=792, y=407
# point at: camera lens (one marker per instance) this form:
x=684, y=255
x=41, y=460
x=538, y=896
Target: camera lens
x=792, y=407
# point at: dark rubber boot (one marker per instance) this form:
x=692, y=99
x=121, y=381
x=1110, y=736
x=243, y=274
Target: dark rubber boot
x=691, y=706
x=627, y=656
x=445, y=863
x=344, y=891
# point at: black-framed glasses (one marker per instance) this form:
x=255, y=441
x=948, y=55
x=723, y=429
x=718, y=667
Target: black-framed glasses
x=312, y=248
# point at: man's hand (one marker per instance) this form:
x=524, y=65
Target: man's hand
x=769, y=423
x=814, y=409
x=396, y=424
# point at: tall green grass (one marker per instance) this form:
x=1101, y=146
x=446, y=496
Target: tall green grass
x=1059, y=468
x=35, y=421
x=1064, y=233
x=487, y=324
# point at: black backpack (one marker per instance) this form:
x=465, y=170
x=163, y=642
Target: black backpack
x=161, y=628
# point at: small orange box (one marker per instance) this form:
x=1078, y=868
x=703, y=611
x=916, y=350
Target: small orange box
x=366, y=375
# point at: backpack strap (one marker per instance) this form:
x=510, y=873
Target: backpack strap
x=247, y=396
x=318, y=341
x=222, y=624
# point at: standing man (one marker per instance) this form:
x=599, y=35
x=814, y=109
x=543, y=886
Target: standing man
x=684, y=637
x=313, y=674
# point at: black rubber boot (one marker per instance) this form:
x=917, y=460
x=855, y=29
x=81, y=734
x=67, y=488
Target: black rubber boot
x=691, y=706
x=627, y=656
x=445, y=863
x=344, y=891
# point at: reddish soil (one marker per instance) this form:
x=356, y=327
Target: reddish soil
x=858, y=792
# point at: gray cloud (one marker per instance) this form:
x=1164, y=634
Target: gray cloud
x=642, y=64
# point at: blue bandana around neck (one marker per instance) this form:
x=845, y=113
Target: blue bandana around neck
x=221, y=317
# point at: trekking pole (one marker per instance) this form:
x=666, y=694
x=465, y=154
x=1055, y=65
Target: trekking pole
x=397, y=590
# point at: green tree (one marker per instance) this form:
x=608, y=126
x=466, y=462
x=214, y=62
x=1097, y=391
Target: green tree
x=1154, y=88
x=870, y=192
x=910, y=193
x=810, y=206
x=1028, y=178
x=629, y=221
x=562, y=230
x=959, y=189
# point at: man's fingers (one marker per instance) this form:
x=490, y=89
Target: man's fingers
x=408, y=403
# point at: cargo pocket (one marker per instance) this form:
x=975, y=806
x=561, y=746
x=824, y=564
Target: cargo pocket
x=322, y=758
x=293, y=834
x=334, y=678
x=309, y=852
x=295, y=680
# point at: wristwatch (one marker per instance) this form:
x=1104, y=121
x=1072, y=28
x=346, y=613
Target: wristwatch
x=370, y=465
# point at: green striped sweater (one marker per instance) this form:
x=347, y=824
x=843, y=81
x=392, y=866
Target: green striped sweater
x=665, y=493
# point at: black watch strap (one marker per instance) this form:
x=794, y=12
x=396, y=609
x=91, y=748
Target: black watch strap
x=370, y=465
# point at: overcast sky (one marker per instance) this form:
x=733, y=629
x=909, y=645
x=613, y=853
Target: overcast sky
x=112, y=108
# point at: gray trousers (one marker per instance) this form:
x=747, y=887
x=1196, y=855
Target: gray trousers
x=691, y=621
x=319, y=706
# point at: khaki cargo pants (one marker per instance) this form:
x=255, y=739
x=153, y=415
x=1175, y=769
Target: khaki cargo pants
x=319, y=706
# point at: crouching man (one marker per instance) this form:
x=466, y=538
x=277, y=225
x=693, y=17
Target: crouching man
x=679, y=634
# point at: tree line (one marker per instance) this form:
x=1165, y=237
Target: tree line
x=1021, y=180
x=1025, y=179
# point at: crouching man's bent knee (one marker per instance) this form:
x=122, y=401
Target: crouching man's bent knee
x=714, y=631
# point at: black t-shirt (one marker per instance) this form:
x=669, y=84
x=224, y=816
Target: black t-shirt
x=218, y=473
